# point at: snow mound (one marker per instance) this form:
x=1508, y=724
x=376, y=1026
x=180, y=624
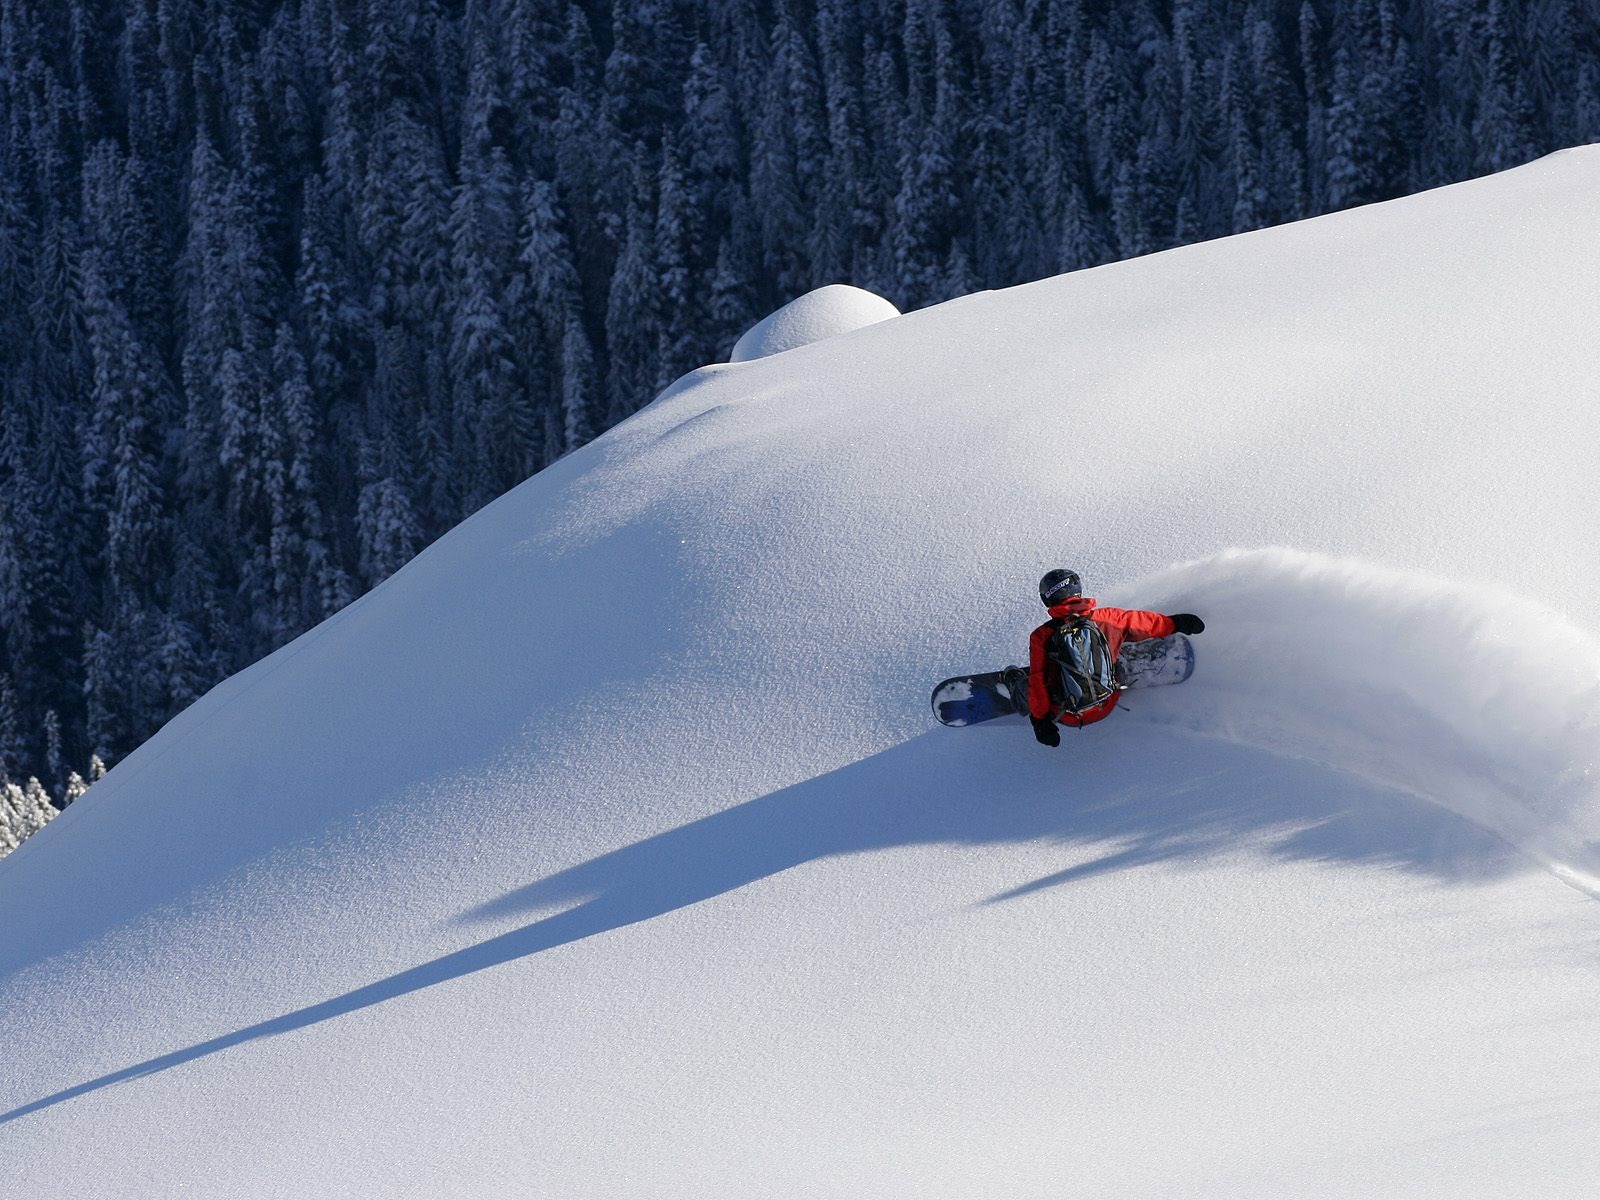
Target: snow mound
x=1483, y=702
x=823, y=313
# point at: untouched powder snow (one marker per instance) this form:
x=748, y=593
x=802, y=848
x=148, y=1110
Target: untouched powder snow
x=610, y=849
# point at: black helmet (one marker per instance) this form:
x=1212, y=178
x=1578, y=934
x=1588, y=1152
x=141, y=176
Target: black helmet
x=1059, y=586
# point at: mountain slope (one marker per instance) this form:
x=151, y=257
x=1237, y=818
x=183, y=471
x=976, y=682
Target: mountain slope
x=606, y=849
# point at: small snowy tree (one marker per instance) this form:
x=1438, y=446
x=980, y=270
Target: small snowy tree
x=23, y=812
x=76, y=787
x=37, y=810
x=10, y=817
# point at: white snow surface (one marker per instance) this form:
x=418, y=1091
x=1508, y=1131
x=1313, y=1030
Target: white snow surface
x=610, y=849
x=821, y=313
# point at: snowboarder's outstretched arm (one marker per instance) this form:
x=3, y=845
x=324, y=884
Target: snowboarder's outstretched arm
x=1135, y=624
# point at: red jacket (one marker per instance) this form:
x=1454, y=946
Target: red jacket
x=1118, y=624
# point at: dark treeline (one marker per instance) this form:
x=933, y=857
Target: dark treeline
x=290, y=287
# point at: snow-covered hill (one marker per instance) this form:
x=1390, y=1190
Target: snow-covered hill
x=609, y=849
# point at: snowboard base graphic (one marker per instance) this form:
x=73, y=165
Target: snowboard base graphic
x=973, y=699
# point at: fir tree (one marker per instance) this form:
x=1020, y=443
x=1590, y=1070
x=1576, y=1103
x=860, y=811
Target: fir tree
x=676, y=250
x=12, y=750
x=1347, y=179
x=122, y=461
x=37, y=810
x=384, y=518
x=1504, y=117
x=11, y=805
x=494, y=450
x=633, y=313
x=579, y=386
x=75, y=789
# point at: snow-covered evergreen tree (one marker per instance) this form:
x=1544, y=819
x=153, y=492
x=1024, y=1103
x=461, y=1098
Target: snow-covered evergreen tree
x=11, y=802
x=676, y=251
x=24, y=810
x=75, y=789
x=385, y=518
x=634, y=309
x=38, y=811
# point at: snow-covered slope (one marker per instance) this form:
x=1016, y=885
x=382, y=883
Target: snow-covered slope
x=609, y=850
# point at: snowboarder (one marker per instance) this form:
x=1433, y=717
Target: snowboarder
x=1072, y=656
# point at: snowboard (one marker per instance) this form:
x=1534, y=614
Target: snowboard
x=973, y=699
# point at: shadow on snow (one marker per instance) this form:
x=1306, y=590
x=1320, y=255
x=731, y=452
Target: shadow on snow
x=1115, y=793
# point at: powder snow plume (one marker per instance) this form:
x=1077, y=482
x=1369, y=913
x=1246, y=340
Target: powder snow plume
x=1480, y=701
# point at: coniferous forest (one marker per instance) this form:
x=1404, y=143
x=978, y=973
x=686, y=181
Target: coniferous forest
x=290, y=287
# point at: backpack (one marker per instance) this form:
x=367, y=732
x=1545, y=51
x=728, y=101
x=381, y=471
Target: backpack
x=1087, y=672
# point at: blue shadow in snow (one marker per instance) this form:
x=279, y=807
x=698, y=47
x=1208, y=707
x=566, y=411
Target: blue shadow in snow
x=1112, y=788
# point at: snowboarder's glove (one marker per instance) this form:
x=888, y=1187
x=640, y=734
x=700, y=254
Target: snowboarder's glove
x=1046, y=731
x=1188, y=623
